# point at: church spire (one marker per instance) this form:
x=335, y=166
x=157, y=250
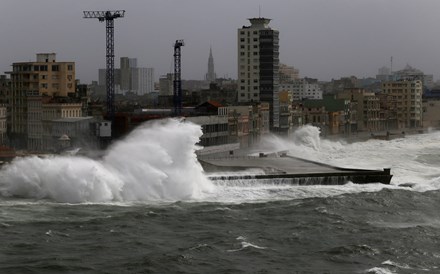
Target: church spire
x=210, y=76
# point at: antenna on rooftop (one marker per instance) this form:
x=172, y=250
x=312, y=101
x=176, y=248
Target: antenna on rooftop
x=259, y=11
x=391, y=68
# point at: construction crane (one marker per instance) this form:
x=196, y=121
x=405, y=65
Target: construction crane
x=108, y=17
x=177, y=84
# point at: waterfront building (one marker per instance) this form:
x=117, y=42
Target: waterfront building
x=367, y=106
x=44, y=77
x=331, y=114
x=285, y=97
x=407, y=95
x=258, y=66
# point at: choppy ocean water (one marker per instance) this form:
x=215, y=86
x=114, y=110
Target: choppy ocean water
x=155, y=212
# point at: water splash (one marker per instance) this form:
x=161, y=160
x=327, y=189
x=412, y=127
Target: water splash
x=156, y=162
x=413, y=160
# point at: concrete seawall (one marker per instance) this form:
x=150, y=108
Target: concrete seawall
x=289, y=170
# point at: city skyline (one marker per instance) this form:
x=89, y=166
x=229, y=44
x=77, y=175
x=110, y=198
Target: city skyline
x=323, y=39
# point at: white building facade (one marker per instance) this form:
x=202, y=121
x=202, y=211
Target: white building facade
x=302, y=90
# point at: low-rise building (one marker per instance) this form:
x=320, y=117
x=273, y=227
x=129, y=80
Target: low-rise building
x=408, y=98
x=367, y=106
x=302, y=89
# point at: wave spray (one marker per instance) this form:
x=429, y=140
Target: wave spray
x=156, y=162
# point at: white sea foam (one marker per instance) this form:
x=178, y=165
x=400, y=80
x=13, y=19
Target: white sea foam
x=245, y=245
x=414, y=159
x=379, y=270
x=155, y=162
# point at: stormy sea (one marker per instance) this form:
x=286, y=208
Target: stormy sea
x=146, y=206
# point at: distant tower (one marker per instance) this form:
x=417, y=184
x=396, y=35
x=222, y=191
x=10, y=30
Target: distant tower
x=258, y=66
x=210, y=76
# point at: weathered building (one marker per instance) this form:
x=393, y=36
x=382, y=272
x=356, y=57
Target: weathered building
x=44, y=77
x=408, y=98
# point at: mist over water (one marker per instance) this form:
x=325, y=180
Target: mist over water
x=156, y=162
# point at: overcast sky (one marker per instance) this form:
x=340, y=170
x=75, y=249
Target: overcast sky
x=324, y=39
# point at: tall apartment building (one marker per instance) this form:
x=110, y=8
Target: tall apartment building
x=258, y=66
x=407, y=96
x=45, y=77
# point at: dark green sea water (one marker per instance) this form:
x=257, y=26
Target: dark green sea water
x=147, y=207
x=390, y=230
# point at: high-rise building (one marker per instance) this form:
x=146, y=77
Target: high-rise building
x=210, y=76
x=45, y=77
x=142, y=80
x=126, y=65
x=258, y=66
x=129, y=77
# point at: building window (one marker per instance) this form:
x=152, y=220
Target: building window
x=55, y=68
x=69, y=67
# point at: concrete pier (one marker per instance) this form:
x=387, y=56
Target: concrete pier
x=299, y=171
